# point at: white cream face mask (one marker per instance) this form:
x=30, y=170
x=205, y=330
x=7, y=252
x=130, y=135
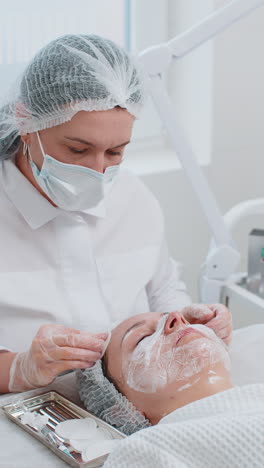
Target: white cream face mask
x=157, y=361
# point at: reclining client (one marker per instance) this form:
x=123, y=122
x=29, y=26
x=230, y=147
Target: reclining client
x=161, y=371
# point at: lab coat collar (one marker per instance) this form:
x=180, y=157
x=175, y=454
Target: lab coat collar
x=35, y=209
x=98, y=210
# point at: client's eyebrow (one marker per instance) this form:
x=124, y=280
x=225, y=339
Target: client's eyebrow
x=135, y=325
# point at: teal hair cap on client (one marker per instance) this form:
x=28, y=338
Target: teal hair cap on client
x=101, y=398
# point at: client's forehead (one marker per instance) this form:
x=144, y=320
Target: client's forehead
x=139, y=318
x=134, y=321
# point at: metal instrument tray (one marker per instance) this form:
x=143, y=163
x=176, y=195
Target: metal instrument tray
x=58, y=408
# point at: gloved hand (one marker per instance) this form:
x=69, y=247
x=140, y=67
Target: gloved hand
x=215, y=316
x=54, y=349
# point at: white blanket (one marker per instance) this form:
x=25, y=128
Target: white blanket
x=246, y=351
x=225, y=430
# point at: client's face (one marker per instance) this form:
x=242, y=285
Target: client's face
x=161, y=354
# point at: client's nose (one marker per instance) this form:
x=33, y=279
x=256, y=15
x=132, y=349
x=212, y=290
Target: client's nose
x=174, y=321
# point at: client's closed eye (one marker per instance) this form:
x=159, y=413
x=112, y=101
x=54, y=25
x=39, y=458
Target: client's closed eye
x=142, y=338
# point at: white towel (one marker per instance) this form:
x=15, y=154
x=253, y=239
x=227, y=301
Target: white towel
x=225, y=430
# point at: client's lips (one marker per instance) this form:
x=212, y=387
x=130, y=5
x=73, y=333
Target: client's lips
x=186, y=331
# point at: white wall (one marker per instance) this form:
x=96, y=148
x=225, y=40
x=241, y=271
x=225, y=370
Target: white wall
x=237, y=168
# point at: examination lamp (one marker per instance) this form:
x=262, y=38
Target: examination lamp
x=223, y=257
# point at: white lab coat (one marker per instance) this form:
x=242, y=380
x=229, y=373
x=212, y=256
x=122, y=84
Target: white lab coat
x=80, y=269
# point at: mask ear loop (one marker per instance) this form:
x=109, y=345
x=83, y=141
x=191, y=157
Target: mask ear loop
x=25, y=148
x=26, y=151
x=40, y=144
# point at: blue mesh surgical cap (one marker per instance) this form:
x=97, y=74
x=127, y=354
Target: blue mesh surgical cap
x=70, y=74
x=102, y=398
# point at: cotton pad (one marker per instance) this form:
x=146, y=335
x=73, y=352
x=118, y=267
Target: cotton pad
x=84, y=428
x=98, y=450
x=34, y=419
x=99, y=435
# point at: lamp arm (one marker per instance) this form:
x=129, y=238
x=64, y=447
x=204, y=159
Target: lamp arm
x=212, y=25
x=157, y=59
x=222, y=261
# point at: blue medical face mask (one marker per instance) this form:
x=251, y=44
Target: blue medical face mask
x=72, y=187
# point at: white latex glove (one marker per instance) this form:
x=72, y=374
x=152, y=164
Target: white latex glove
x=54, y=349
x=215, y=316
